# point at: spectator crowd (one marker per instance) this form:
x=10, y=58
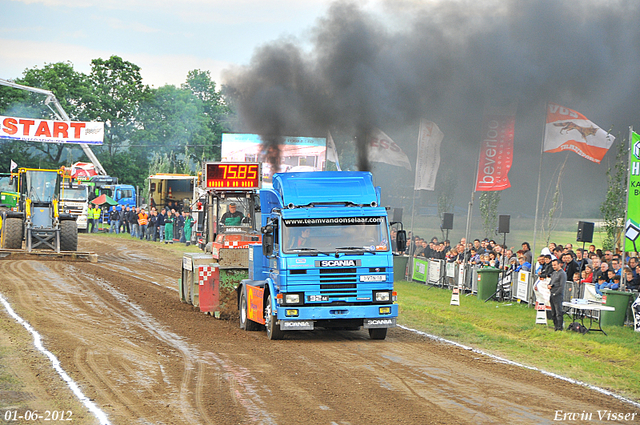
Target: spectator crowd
x=171, y=224
x=604, y=269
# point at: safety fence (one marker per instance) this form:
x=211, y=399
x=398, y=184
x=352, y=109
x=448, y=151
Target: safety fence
x=521, y=286
x=516, y=286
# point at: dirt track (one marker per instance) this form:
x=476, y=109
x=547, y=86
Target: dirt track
x=122, y=334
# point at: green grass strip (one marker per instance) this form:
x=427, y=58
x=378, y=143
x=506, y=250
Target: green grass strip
x=508, y=330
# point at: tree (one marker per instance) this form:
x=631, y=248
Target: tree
x=173, y=121
x=447, y=184
x=118, y=92
x=554, y=204
x=215, y=109
x=615, y=203
x=489, y=211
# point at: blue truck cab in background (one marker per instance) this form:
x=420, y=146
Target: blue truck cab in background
x=325, y=259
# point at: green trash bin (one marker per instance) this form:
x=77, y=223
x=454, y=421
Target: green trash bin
x=620, y=300
x=400, y=267
x=487, y=282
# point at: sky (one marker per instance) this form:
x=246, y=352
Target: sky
x=165, y=38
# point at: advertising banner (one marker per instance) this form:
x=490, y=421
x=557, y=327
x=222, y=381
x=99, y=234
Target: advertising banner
x=419, y=270
x=50, y=131
x=632, y=226
x=496, y=153
x=522, y=288
x=567, y=129
x=296, y=153
x=428, y=160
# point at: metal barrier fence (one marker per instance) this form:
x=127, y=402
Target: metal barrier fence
x=440, y=273
x=516, y=287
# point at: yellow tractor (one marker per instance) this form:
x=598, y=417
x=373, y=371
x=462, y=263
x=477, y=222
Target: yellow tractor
x=39, y=221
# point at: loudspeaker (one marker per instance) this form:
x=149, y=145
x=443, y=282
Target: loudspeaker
x=503, y=223
x=447, y=221
x=585, y=232
x=397, y=215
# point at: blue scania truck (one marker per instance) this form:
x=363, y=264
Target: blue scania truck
x=326, y=257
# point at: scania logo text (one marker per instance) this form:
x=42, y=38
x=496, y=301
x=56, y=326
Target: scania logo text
x=337, y=263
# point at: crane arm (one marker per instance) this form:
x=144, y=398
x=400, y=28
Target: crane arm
x=60, y=113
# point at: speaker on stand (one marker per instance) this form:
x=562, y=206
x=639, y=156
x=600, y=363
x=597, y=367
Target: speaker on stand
x=503, y=227
x=447, y=223
x=585, y=234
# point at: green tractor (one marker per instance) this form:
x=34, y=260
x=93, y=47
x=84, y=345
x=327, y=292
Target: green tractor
x=8, y=192
x=39, y=221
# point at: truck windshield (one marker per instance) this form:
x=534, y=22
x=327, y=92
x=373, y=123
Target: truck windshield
x=75, y=194
x=337, y=233
x=41, y=185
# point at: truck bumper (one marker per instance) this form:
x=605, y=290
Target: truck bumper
x=307, y=318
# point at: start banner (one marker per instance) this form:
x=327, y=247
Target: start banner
x=50, y=131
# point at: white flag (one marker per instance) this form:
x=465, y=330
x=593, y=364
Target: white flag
x=383, y=149
x=13, y=166
x=332, y=153
x=428, y=160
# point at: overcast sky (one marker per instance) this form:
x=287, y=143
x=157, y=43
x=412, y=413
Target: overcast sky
x=165, y=38
x=443, y=60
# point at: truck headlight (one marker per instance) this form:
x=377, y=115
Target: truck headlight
x=292, y=298
x=382, y=296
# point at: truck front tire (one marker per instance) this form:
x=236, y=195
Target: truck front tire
x=273, y=330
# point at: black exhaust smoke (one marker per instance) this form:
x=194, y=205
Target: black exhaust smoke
x=442, y=61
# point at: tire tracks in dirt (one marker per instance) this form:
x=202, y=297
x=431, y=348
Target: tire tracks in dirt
x=121, y=328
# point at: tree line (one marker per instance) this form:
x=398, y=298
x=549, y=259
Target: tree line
x=167, y=129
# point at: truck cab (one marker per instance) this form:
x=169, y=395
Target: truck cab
x=74, y=200
x=165, y=188
x=325, y=260
x=123, y=194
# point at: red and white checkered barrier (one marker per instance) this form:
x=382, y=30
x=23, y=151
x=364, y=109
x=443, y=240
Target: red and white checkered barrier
x=204, y=274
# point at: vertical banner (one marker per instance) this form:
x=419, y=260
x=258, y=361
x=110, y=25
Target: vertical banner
x=332, y=152
x=496, y=154
x=632, y=226
x=428, y=160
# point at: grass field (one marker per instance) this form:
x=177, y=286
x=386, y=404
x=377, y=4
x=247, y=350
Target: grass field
x=509, y=330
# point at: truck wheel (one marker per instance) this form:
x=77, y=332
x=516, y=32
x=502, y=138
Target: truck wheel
x=12, y=233
x=68, y=235
x=245, y=323
x=273, y=330
x=378, y=333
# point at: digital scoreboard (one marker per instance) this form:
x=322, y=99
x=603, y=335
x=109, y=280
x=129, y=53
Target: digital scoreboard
x=233, y=175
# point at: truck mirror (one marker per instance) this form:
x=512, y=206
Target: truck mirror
x=267, y=245
x=267, y=240
x=401, y=240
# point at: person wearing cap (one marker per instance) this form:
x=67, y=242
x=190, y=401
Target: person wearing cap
x=602, y=283
x=233, y=217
